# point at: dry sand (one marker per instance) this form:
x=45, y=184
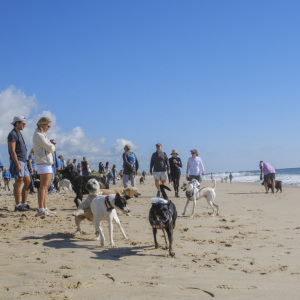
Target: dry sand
x=250, y=251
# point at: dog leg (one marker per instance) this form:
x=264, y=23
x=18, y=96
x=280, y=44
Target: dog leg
x=164, y=232
x=155, y=240
x=170, y=236
x=116, y=218
x=194, y=206
x=111, y=232
x=101, y=235
x=184, y=211
x=78, y=220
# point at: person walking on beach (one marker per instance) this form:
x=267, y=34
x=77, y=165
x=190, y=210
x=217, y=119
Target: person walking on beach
x=175, y=165
x=86, y=167
x=130, y=166
x=269, y=175
x=230, y=177
x=161, y=167
x=195, y=167
x=18, y=163
x=43, y=152
x=7, y=178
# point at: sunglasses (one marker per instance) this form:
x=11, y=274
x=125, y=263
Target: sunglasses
x=23, y=123
x=48, y=126
x=193, y=152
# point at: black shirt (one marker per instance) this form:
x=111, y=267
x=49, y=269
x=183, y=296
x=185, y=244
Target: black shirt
x=21, y=149
x=175, y=167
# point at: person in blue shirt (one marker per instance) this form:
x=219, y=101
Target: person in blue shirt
x=7, y=179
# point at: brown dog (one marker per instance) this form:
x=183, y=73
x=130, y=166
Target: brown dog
x=129, y=192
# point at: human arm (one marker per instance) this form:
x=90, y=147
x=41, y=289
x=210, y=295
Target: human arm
x=151, y=164
x=13, y=154
x=187, y=169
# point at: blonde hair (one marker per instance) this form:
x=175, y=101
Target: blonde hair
x=42, y=121
x=69, y=162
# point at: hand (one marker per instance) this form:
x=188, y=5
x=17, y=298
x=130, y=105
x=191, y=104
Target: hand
x=260, y=177
x=187, y=178
x=18, y=168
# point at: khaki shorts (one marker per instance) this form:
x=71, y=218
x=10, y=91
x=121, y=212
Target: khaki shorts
x=160, y=175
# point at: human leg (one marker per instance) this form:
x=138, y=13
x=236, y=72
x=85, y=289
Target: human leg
x=26, y=181
x=132, y=179
x=17, y=189
x=126, y=178
x=45, y=180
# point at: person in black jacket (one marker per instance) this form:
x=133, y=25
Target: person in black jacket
x=175, y=165
x=161, y=167
x=130, y=166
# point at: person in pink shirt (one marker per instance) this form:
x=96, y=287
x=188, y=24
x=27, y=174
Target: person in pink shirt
x=269, y=175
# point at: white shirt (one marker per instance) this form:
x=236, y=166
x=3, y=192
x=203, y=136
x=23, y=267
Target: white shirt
x=194, y=166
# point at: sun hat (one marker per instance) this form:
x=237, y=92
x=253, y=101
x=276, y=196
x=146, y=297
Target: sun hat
x=18, y=119
x=174, y=151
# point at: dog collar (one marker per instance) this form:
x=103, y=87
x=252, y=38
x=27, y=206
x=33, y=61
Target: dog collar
x=108, y=205
x=191, y=193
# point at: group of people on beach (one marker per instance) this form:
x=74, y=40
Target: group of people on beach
x=42, y=161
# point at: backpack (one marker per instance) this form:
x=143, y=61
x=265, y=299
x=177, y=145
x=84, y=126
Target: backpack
x=131, y=160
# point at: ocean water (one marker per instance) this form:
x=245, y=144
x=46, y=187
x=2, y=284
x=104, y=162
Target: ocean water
x=289, y=176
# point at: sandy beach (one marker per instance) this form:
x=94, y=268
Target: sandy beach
x=249, y=251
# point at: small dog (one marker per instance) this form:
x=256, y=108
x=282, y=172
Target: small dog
x=129, y=192
x=84, y=208
x=79, y=182
x=278, y=185
x=103, y=209
x=193, y=193
x=163, y=215
x=142, y=181
x=224, y=179
x=65, y=184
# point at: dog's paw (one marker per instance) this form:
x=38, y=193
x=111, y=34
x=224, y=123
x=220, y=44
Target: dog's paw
x=183, y=213
x=172, y=254
x=113, y=245
x=97, y=238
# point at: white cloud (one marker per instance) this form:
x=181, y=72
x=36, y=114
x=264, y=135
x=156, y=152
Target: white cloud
x=73, y=144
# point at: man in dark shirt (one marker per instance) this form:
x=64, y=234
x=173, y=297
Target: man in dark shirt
x=130, y=166
x=161, y=167
x=18, y=164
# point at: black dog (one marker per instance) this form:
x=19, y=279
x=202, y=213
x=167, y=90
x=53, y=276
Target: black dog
x=163, y=216
x=79, y=182
x=142, y=180
x=278, y=185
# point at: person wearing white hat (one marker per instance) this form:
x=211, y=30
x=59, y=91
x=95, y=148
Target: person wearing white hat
x=18, y=164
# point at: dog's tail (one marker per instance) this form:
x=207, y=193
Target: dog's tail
x=214, y=181
x=162, y=188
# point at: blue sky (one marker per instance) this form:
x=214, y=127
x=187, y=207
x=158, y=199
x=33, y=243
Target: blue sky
x=219, y=76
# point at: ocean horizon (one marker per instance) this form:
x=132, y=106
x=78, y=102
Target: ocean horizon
x=288, y=176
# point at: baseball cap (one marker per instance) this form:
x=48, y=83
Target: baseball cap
x=194, y=150
x=158, y=145
x=18, y=119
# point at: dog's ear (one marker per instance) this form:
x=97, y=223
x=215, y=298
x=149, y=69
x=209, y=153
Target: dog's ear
x=118, y=195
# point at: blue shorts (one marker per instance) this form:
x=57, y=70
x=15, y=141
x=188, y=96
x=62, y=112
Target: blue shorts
x=24, y=170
